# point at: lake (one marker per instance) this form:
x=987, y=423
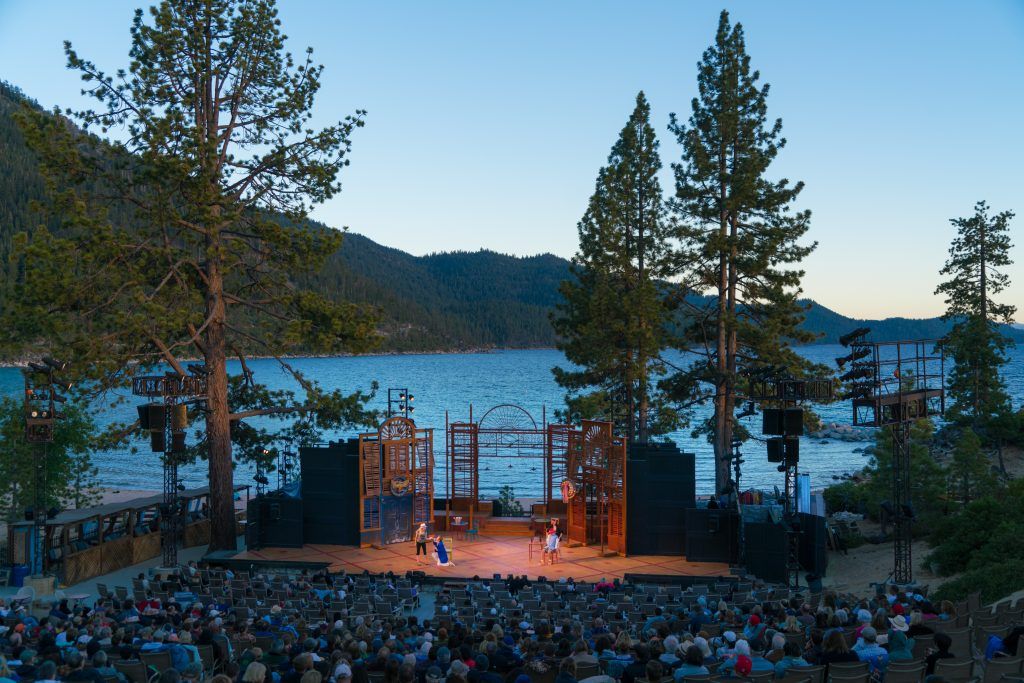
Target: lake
x=453, y=382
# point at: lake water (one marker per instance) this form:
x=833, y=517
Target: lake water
x=453, y=382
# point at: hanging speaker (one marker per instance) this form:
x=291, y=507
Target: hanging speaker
x=784, y=450
x=772, y=422
x=177, y=442
x=157, y=442
x=776, y=450
x=143, y=415
x=179, y=417
x=157, y=416
x=793, y=421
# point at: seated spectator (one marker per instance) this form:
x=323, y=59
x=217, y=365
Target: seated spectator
x=46, y=673
x=566, y=671
x=77, y=671
x=835, y=649
x=868, y=650
x=776, y=653
x=901, y=648
x=693, y=664
x=791, y=657
x=941, y=651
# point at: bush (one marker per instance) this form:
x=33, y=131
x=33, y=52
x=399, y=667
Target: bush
x=846, y=497
x=995, y=581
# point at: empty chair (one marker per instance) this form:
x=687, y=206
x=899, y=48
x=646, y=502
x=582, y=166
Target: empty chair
x=847, y=668
x=955, y=670
x=999, y=667
x=905, y=674
x=815, y=673
x=133, y=670
x=848, y=678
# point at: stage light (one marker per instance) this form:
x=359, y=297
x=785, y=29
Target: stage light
x=748, y=411
x=411, y=398
x=412, y=409
x=57, y=365
x=851, y=337
x=853, y=356
x=859, y=391
x=401, y=396
x=862, y=372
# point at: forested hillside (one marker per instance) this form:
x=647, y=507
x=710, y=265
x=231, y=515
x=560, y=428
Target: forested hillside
x=446, y=301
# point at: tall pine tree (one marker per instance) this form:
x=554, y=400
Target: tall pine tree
x=976, y=344
x=173, y=243
x=613, y=321
x=742, y=238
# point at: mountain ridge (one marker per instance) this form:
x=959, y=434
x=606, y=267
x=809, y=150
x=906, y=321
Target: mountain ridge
x=443, y=301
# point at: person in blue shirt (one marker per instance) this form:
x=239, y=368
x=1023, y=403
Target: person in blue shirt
x=868, y=650
x=791, y=657
x=693, y=665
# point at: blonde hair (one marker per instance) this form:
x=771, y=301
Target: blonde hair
x=311, y=676
x=254, y=673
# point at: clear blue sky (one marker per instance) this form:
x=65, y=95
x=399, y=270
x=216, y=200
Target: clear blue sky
x=488, y=120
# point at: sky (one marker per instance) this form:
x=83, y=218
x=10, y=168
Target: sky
x=487, y=121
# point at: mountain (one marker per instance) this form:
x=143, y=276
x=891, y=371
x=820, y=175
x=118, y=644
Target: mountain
x=445, y=301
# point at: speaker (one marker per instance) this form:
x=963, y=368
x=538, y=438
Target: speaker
x=712, y=535
x=157, y=416
x=330, y=493
x=661, y=485
x=143, y=415
x=772, y=422
x=157, y=442
x=177, y=442
x=793, y=421
x=179, y=418
x=781, y=449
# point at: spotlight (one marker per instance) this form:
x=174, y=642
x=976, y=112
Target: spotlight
x=748, y=411
x=57, y=365
x=862, y=372
x=853, y=357
x=851, y=337
x=411, y=398
x=859, y=391
x=412, y=409
x=401, y=396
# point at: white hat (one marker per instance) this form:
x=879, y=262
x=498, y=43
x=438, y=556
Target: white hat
x=729, y=636
x=343, y=670
x=428, y=636
x=899, y=623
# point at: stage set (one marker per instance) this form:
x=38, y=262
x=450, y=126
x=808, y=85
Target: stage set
x=620, y=510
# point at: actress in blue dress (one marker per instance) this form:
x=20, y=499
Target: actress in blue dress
x=440, y=552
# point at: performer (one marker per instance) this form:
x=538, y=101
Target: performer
x=441, y=553
x=551, y=544
x=421, y=542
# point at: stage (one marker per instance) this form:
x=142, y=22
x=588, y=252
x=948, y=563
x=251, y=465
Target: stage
x=487, y=556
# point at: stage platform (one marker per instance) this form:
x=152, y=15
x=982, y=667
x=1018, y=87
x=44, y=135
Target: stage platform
x=486, y=556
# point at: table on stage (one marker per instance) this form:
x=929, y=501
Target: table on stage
x=459, y=528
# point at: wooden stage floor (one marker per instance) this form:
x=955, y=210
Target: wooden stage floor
x=489, y=555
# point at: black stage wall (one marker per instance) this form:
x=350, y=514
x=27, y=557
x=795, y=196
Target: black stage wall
x=330, y=493
x=274, y=520
x=660, y=486
x=712, y=535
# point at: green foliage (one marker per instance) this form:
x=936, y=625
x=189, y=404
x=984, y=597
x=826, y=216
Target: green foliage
x=847, y=496
x=976, y=343
x=927, y=476
x=510, y=506
x=970, y=469
x=742, y=239
x=614, y=319
x=982, y=544
x=994, y=582
x=70, y=474
x=186, y=236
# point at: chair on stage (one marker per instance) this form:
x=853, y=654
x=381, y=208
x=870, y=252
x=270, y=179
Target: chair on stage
x=552, y=554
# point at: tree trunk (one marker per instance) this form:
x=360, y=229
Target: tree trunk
x=218, y=426
x=723, y=431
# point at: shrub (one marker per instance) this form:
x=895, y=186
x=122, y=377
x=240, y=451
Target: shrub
x=995, y=581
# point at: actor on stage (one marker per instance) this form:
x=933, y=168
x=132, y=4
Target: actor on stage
x=421, y=541
x=440, y=552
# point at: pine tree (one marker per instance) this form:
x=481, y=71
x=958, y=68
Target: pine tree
x=970, y=469
x=976, y=344
x=187, y=236
x=613, y=320
x=742, y=238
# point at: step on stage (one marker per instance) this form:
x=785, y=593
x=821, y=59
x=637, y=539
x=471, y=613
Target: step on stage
x=486, y=556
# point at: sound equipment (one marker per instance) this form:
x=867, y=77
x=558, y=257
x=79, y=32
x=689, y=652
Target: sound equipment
x=274, y=520
x=179, y=417
x=330, y=493
x=813, y=555
x=157, y=441
x=782, y=421
x=661, y=486
x=177, y=442
x=765, y=550
x=712, y=535
x=782, y=449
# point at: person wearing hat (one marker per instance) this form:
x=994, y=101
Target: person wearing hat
x=868, y=650
x=421, y=541
x=900, y=647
